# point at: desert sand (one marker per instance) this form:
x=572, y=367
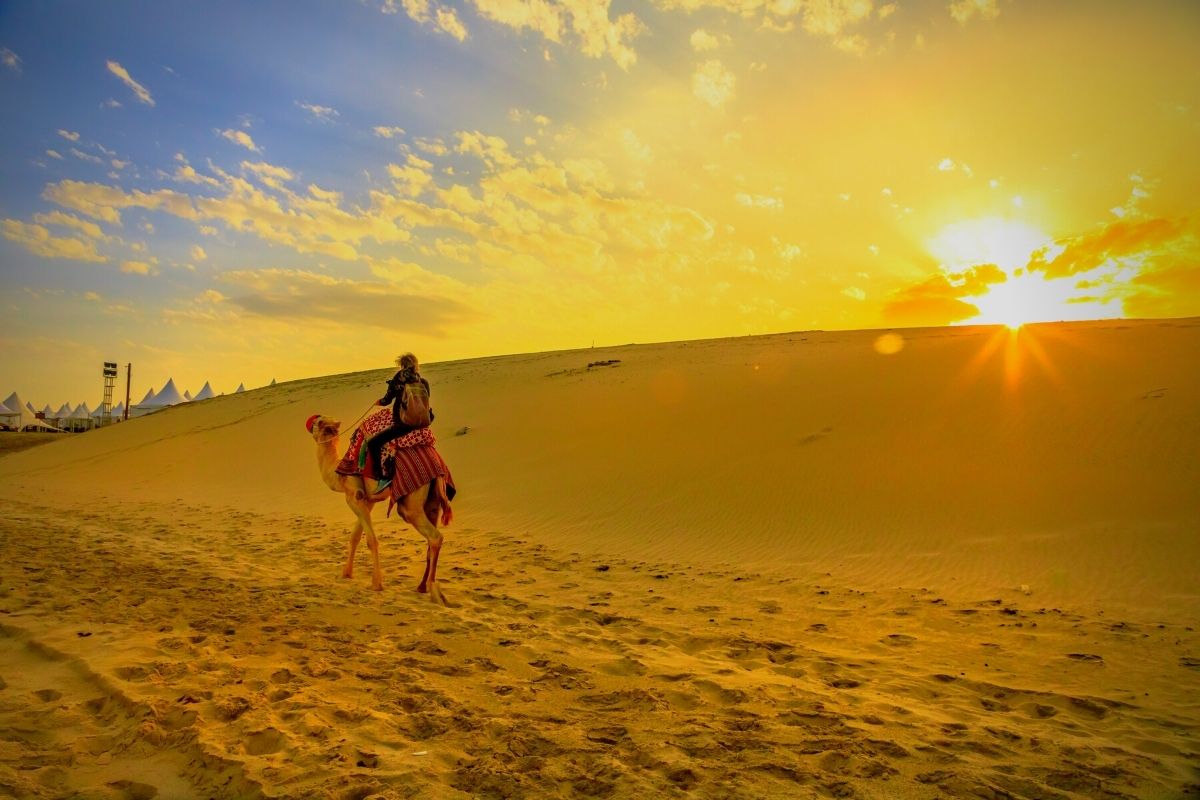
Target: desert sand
x=955, y=562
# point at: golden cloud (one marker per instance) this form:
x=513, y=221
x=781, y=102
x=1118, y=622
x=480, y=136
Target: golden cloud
x=442, y=18
x=1117, y=240
x=139, y=91
x=713, y=84
x=138, y=268
x=589, y=20
x=937, y=300
x=240, y=138
x=964, y=11
x=298, y=295
x=89, y=229
x=39, y=241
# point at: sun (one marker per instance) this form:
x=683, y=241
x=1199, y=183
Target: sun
x=1025, y=295
x=1007, y=243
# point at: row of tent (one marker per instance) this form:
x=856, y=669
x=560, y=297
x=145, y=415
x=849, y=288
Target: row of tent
x=21, y=415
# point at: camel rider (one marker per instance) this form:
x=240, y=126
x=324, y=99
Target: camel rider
x=408, y=374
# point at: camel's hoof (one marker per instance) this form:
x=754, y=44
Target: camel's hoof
x=435, y=594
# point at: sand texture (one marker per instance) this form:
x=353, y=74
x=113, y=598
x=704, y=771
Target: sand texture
x=781, y=566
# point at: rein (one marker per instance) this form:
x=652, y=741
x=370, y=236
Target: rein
x=352, y=426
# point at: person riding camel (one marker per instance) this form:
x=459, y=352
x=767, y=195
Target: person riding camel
x=408, y=392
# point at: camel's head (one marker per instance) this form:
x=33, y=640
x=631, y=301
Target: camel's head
x=322, y=428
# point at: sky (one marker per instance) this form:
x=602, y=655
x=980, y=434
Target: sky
x=238, y=192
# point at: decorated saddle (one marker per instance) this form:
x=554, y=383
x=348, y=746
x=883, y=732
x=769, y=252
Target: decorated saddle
x=412, y=460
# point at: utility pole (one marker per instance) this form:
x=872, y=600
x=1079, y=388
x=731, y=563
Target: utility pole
x=128, y=376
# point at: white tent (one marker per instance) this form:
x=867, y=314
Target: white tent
x=64, y=411
x=41, y=425
x=80, y=419
x=8, y=416
x=47, y=411
x=169, y=396
x=24, y=416
x=187, y=395
x=17, y=407
x=241, y=388
x=118, y=413
x=272, y=383
x=206, y=392
x=29, y=405
x=144, y=407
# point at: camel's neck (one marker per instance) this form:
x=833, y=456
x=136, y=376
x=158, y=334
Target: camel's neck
x=327, y=461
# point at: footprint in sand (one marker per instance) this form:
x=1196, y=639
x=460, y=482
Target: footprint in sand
x=898, y=639
x=264, y=742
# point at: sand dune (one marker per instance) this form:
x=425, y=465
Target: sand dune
x=783, y=566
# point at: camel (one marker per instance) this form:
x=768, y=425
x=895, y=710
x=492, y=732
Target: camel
x=418, y=508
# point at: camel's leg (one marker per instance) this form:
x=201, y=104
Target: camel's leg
x=355, y=536
x=412, y=509
x=357, y=488
x=362, y=510
x=377, y=575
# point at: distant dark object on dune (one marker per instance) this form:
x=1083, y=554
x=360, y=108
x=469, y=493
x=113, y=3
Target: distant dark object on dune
x=611, y=362
x=11, y=442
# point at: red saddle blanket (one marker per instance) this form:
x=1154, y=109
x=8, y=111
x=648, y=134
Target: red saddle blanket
x=414, y=457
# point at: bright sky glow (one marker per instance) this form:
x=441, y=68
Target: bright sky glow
x=234, y=192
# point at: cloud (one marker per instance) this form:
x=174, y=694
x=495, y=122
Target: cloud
x=713, y=84
x=702, y=40
x=388, y=132
x=492, y=149
x=950, y=165
x=964, y=11
x=138, y=268
x=787, y=251
x=269, y=174
x=187, y=174
x=412, y=178
x=442, y=18
x=588, y=20
x=54, y=154
x=832, y=17
x=89, y=229
x=759, y=201
x=1117, y=240
x=240, y=138
x=105, y=202
x=70, y=136
x=1171, y=290
x=307, y=296
x=855, y=293
x=448, y=22
x=828, y=19
x=303, y=223
x=39, y=241
x=82, y=156
x=139, y=91
x=937, y=300
x=10, y=59
x=197, y=253
x=323, y=113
